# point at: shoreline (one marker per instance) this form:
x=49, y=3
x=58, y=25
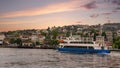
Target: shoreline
x=30, y=47
x=27, y=47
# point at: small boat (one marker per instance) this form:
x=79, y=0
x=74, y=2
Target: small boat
x=72, y=45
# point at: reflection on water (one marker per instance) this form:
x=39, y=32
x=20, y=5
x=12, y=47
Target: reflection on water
x=45, y=58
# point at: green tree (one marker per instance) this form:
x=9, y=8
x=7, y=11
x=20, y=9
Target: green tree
x=54, y=33
x=104, y=34
x=68, y=34
x=12, y=40
x=33, y=44
x=37, y=43
x=95, y=34
x=18, y=41
x=116, y=42
x=54, y=42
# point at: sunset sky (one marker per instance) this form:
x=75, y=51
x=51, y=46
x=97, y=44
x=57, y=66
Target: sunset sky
x=39, y=14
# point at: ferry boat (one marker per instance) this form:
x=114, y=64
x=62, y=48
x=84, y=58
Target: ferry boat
x=73, y=45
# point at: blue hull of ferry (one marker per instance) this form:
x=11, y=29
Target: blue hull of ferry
x=79, y=50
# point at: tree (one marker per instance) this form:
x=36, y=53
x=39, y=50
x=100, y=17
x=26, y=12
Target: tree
x=54, y=33
x=95, y=34
x=68, y=34
x=33, y=44
x=18, y=41
x=37, y=43
x=116, y=42
x=54, y=42
x=104, y=34
x=12, y=40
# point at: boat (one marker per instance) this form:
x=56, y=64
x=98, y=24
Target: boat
x=72, y=45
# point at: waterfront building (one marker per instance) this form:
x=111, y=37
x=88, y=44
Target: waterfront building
x=37, y=38
x=76, y=36
x=25, y=37
x=109, y=36
x=118, y=33
x=2, y=37
x=34, y=38
x=41, y=38
x=26, y=43
x=100, y=40
x=87, y=39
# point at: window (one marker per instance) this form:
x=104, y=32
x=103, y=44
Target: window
x=83, y=47
x=90, y=47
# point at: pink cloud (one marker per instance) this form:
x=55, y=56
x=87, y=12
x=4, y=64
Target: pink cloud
x=107, y=13
x=94, y=15
x=53, y=8
x=79, y=22
x=91, y=5
x=116, y=10
x=117, y=2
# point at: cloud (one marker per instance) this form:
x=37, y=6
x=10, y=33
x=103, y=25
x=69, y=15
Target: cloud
x=52, y=8
x=91, y=5
x=94, y=15
x=99, y=14
x=117, y=2
x=10, y=22
x=116, y=10
x=79, y=22
x=107, y=13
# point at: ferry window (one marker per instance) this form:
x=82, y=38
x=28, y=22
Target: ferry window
x=75, y=47
x=77, y=42
x=83, y=47
x=90, y=42
x=74, y=42
x=81, y=42
x=102, y=47
x=68, y=47
x=85, y=42
x=90, y=47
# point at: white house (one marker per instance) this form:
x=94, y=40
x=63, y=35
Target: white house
x=118, y=33
x=2, y=37
x=34, y=38
x=109, y=35
x=39, y=38
x=100, y=40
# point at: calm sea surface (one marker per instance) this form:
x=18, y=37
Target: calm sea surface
x=46, y=58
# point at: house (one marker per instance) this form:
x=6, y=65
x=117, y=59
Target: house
x=37, y=38
x=25, y=37
x=26, y=43
x=2, y=37
x=34, y=38
x=109, y=36
x=100, y=40
x=76, y=36
x=118, y=32
x=41, y=38
x=87, y=39
x=6, y=41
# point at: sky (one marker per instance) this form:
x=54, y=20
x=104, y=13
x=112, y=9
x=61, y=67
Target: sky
x=40, y=14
